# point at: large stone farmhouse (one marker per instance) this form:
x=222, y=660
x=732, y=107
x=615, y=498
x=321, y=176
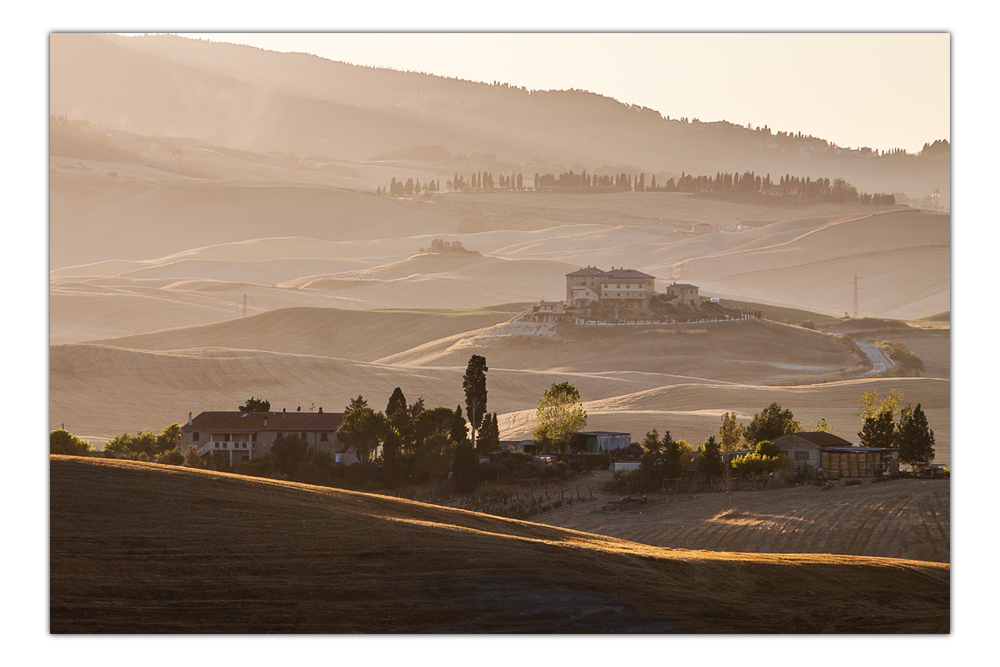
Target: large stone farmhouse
x=617, y=288
x=683, y=294
x=247, y=435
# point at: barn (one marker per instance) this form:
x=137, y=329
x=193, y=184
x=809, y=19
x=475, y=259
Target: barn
x=840, y=462
x=600, y=441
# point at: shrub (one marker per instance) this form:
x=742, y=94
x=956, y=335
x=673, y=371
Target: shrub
x=259, y=467
x=756, y=463
x=173, y=457
x=62, y=441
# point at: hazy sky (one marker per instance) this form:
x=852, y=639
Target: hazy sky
x=881, y=90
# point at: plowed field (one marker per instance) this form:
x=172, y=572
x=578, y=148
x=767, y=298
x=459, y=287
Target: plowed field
x=907, y=518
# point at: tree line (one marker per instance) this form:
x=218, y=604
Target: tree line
x=746, y=184
x=748, y=449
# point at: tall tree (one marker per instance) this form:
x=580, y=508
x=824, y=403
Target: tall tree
x=730, y=432
x=673, y=466
x=560, y=414
x=710, y=459
x=489, y=435
x=878, y=430
x=651, y=443
x=474, y=385
x=355, y=404
x=459, y=431
x=914, y=437
x=770, y=423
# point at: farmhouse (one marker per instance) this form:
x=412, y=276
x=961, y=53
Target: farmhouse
x=241, y=436
x=838, y=457
x=617, y=288
x=804, y=448
x=682, y=294
x=549, y=311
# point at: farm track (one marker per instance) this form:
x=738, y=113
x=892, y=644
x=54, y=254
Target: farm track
x=899, y=519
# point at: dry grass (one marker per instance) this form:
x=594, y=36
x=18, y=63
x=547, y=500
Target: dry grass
x=141, y=548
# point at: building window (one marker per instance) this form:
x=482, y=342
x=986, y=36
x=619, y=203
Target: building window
x=278, y=435
x=323, y=437
x=801, y=455
x=195, y=435
x=303, y=435
x=253, y=437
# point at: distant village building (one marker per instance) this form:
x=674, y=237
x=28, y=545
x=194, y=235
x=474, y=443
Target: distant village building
x=683, y=294
x=442, y=246
x=549, y=311
x=242, y=436
x=703, y=228
x=617, y=288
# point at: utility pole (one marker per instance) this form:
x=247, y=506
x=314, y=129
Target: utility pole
x=856, y=297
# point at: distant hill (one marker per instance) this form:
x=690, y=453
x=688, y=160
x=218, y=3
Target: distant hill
x=247, y=98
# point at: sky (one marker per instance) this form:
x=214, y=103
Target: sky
x=880, y=90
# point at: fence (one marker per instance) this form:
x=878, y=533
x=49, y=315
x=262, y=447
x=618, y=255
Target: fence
x=662, y=323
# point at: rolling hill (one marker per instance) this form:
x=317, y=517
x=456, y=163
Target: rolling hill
x=247, y=98
x=199, y=552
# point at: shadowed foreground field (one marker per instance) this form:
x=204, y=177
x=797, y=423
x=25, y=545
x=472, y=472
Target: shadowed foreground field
x=154, y=549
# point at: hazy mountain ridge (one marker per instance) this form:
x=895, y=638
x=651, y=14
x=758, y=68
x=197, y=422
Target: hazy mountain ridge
x=248, y=98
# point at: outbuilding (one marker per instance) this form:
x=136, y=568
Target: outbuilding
x=840, y=462
x=600, y=441
x=804, y=448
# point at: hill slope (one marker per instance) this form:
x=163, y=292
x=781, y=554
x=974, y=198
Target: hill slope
x=244, y=97
x=205, y=552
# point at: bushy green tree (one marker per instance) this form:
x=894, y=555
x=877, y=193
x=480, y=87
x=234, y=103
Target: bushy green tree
x=914, y=437
x=770, y=423
x=560, y=414
x=288, y=451
x=172, y=457
x=363, y=429
x=255, y=405
x=192, y=459
x=62, y=441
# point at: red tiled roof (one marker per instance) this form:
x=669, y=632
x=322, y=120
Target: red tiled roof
x=236, y=421
x=589, y=271
x=616, y=274
x=818, y=438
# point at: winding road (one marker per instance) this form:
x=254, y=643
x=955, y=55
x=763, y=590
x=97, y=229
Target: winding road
x=880, y=362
